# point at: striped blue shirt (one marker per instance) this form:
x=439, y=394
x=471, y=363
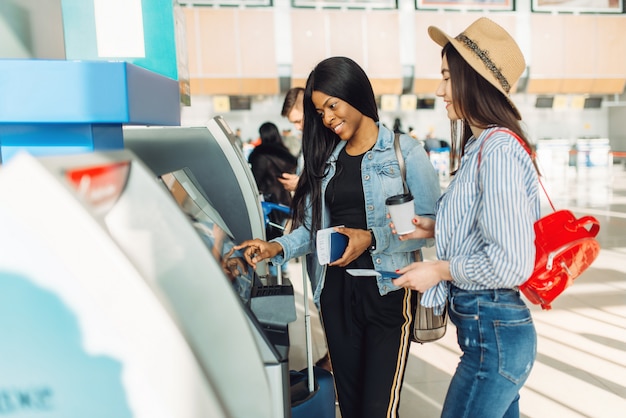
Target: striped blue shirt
x=485, y=217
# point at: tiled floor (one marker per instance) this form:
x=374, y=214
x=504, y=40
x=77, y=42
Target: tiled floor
x=581, y=362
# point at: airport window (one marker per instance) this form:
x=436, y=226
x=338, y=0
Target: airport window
x=593, y=103
x=231, y=3
x=544, y=102
x=346, y=4
x=501, y=5
x=574, y=6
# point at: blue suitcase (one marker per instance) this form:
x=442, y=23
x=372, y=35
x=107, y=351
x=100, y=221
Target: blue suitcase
x=312, y=390
x=317, y=404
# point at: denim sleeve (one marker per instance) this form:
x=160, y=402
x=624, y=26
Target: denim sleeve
x=295, y=244
x=423, y=182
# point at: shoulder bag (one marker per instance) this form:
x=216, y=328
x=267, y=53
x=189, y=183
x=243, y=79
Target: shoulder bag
x=427, y=326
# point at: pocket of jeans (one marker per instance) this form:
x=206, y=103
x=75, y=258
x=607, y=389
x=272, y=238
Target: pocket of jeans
x=464, y=306
x=517, y=345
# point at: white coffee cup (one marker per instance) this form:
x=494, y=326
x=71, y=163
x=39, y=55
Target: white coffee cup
x=401, y=209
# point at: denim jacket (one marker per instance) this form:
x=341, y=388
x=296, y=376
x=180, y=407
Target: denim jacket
x=381, y=177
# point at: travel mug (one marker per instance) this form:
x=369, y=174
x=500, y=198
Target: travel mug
x=401, y=209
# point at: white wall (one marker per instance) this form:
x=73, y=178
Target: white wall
x=42, y=31
x=39, y=29
x=617, y=128
x=539, y=123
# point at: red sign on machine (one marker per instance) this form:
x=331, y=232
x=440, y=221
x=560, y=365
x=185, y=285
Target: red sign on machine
x=100, y=186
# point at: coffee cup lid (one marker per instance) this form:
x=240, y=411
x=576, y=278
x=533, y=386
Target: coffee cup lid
x=399, y=199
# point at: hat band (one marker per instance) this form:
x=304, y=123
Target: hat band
x=484, y=57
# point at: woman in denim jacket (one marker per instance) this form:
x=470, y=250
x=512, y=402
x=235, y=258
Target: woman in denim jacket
x=351, y=168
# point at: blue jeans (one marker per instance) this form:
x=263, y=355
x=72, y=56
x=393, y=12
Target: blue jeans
x=497, y=336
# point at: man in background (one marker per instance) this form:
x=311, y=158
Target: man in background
x=293, y=110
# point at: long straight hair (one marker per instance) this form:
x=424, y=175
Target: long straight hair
x=270, y=135
x=338, y=77
x=478, y=103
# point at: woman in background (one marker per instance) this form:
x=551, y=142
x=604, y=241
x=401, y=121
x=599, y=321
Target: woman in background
x=268, y=161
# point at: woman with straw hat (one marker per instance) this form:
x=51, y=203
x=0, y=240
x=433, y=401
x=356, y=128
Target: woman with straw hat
x=484, y=225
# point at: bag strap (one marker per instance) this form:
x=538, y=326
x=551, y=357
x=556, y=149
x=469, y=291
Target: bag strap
x=400, y=157
x=417, y=254
x=525, y=146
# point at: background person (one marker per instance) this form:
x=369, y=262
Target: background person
x=293, y=110
x=268, y=161
x=484, y=229
x=350, y=169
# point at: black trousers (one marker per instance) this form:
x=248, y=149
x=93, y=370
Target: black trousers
x=368, y=338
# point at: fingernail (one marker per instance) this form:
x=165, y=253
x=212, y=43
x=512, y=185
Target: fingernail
x=397, y=270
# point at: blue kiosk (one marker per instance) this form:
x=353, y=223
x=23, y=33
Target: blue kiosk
x=121, y=290
x=67, y=107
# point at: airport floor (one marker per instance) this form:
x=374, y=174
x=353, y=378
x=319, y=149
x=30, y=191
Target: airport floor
x=581, y=361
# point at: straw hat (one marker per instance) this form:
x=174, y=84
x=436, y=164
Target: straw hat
x=490, y=51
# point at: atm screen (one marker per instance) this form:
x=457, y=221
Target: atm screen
x=212, y=229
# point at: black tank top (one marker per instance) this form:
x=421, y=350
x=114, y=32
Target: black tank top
x=345, y=200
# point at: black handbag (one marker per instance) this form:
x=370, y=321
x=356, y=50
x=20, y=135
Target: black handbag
x=427, y=325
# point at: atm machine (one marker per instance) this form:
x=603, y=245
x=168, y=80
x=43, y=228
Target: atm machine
x=110, y=303
x=210, y=179
x=218, y=166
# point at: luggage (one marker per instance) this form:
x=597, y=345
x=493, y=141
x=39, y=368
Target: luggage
x=320, y=403
x=312, y=389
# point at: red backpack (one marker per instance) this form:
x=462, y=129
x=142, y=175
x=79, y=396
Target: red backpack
x=566, y=246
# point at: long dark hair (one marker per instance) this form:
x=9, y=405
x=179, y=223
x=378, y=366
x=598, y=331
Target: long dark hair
x=478, y=103
x=270, y=135
x=338, y=77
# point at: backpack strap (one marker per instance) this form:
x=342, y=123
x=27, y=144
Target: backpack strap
x=532, y=154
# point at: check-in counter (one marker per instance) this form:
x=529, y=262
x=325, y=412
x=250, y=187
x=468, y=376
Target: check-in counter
x=553, y=154
x=557, y=153
x=592, y=152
